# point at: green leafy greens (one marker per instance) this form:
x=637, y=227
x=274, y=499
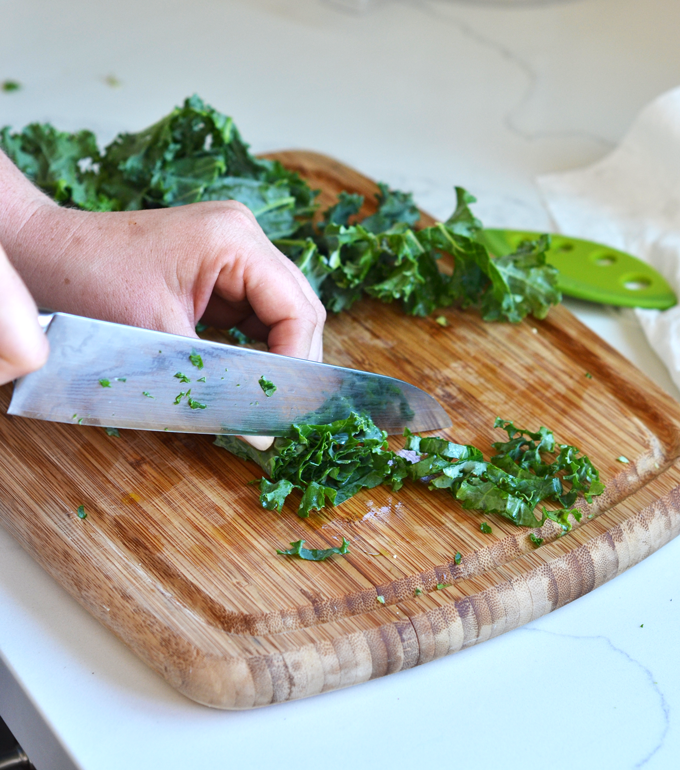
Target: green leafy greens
x=328, y=464
x=268, y=387
x=314, y=554
x=196, y=154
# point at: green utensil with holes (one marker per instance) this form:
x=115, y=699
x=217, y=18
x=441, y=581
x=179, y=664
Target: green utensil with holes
x=592, y=271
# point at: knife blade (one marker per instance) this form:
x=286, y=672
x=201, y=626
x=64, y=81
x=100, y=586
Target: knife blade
x=108, y=374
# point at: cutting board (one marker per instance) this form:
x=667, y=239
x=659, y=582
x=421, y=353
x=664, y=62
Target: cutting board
x=179, y=561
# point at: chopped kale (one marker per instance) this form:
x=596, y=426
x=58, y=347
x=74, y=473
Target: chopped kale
x=458, y=558
x=112, y=432
x=536, y=540
x=147, y=394
x=314, y=554
x=182, y=377
x=268, y=387
x=196, y=360
x=195, y=404
x=330, y=463
x=105, y=383
x=486, y=529
x=10, y=85
x=81, y=512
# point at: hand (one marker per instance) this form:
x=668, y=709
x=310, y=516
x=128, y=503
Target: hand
x=23, y=346
x=162, y=269
x=167, y=269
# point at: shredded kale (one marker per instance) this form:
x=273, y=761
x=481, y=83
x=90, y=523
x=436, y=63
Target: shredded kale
x=196, y=154
x=327, y=463
x=314, y=554
x=182, y=377
x=330, y=463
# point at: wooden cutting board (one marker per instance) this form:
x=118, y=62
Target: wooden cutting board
x=177, y=558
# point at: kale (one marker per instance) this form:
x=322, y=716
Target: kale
x=196, y=154
x=383, y=256
x=268, y=387
x=193, y=154
x=330, y=463
x=314, y=554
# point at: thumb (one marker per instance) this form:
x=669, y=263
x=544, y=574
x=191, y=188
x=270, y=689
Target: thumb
x=23, y=345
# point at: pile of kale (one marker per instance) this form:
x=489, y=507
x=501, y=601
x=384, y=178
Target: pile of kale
x=196, y=154
x=330, y=463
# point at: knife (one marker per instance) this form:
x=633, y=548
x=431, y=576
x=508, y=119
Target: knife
x=592, y=271
x=108, y=374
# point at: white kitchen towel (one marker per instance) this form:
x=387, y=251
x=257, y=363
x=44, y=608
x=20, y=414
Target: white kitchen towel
x=630, y=200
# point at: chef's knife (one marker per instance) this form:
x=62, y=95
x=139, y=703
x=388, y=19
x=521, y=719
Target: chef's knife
x=101, y=373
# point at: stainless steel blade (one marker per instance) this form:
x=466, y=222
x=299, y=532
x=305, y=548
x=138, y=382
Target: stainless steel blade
x=101, y=373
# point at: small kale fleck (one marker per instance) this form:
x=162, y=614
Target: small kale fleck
x=536, y=540
x=268, y=387
x=112, y=432
x=81, y=512
x=486, y=529
x=182, y=377
x=105, y=383
x=196, y=360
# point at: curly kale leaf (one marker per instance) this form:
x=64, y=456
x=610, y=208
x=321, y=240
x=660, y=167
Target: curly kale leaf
x=384, y=257
x=63, y=165
x=193, y=154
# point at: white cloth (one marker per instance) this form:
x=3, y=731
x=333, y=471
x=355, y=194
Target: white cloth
x=630, y=200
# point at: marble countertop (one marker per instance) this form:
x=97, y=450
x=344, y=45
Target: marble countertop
x=423, y=94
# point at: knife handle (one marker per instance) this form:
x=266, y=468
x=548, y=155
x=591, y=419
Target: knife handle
x=45, y=318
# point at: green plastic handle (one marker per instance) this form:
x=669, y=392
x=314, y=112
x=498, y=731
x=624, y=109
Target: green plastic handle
x=592, y=271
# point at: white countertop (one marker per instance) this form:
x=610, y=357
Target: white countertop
x=424, y=95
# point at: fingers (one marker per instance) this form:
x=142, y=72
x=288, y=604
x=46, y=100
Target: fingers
x=23, y=345
x=255, y=275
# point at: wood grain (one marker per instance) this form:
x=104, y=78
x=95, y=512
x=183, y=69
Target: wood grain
x=178, y=560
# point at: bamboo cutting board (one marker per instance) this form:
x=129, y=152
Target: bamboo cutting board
x=178, y=560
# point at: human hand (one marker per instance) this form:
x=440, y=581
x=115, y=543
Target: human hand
x=167, y=269
x=23, y=346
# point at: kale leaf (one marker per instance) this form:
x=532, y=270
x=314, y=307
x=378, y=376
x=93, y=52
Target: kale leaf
x=193, y=154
